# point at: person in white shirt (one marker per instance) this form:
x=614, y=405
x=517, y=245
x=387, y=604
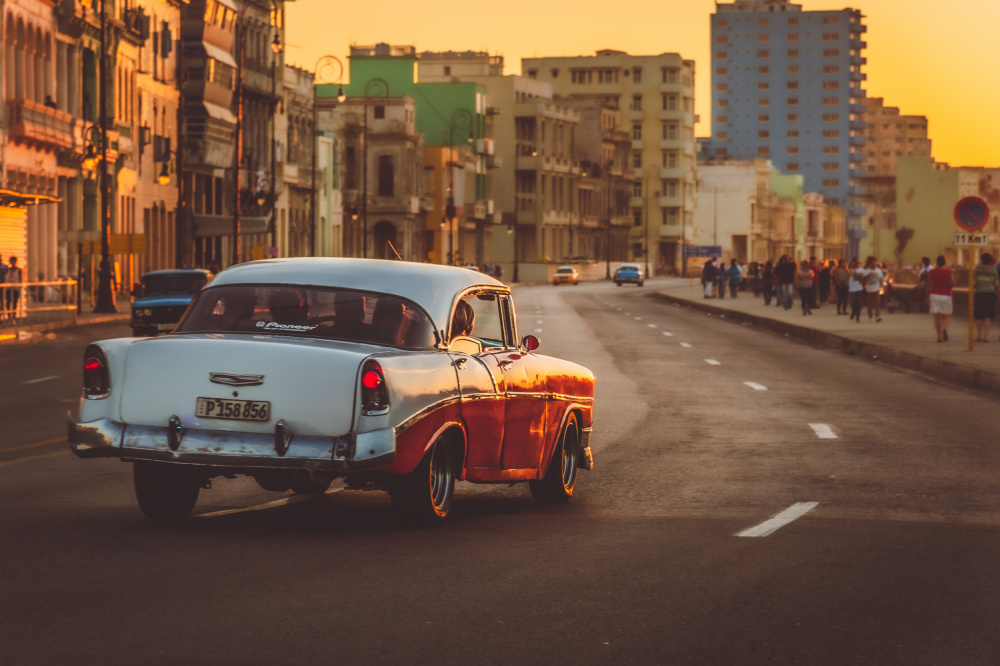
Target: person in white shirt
x=874, y=278
x=856, y=289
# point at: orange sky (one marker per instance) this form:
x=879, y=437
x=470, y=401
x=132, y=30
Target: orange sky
x=927, y=57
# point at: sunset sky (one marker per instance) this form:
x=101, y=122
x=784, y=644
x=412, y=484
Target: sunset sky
x=927, y=57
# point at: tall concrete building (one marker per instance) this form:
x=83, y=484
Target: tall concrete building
x=655, y=98
x=787, y=85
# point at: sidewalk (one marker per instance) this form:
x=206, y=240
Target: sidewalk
x=24, y=332
x=906, y=341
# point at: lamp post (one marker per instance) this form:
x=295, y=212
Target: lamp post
x=105, y=294
x=461, y=119
x=276, y=50
x=322, y=73
x=238, y=147
x=607, y=229
x=374, y=88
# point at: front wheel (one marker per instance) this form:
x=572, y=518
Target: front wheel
x=424, y=496
x=560, y=479
x=165, y=491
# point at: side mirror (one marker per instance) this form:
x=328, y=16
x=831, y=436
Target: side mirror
x=530, y=343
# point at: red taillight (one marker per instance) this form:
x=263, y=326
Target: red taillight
x=92, y=365
x=96, y=378
x=374, y=393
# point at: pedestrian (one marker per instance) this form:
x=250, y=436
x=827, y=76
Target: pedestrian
x=708, y=276
x=874, y=279
x=767, y=281
x=755, y=279
x=3, y=289
x=825, y=274
x=985, y=283
x=14, y=276
x=786, y=278
x=721, y=280
x=841, y=277
x=939, y=283
x=735, y=278
x=814, y=267
x=804, y=283
x=856, y=289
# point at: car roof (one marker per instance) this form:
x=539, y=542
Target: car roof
x=179, y=271
x=431, y=286
x=565, y=268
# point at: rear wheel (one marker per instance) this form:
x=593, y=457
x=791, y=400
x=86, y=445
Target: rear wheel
x=560, y=479
x=424, y=496
x=165, y=491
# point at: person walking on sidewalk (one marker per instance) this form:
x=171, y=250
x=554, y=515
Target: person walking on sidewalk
x=767, y=281
x=874, y=278
x=856, y=289
x=939, y=282
x=841, y=278
x=708, y=276
x=785, y=271
x=14, y=277
x=804, y=283
x=985, y=282
x=735, y=278
x=721, y=279
x=825, y=276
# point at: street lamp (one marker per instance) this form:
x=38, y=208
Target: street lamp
x=164, y=176
x=374, y=88
x=105, y=294
x=461, y=119
x=326, y=66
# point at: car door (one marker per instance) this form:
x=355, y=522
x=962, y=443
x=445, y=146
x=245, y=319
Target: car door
x=525, y=397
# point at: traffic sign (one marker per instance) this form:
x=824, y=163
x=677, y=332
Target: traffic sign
x=971, y=214
x=701, y=250
x=963, y=239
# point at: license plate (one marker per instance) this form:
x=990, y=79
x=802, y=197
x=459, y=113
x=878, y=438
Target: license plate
x=236, y=410
x=165, y=327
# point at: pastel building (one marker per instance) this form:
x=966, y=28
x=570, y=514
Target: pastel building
x=787, y=85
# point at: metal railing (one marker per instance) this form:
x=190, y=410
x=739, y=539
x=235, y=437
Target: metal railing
x=28, y=303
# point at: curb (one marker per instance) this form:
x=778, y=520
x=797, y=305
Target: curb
x=27, y=332
x=941, y=370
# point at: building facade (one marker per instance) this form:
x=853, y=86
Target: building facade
x=655, y=98
x=787, y=85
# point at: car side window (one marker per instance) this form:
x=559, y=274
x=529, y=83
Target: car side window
x=487, y=325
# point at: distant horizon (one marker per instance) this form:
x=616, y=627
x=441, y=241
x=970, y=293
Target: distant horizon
x=960, y=106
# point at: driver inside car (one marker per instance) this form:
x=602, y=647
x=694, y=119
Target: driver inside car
x=288, y=307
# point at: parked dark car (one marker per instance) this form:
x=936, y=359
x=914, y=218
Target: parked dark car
x=162, y=297
x=628, y=273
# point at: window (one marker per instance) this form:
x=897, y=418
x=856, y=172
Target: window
x=830, y=20
x=722, y=71
x=793, y=69
x=793, y=20
x=670, y=132
x=831, y=101
x=722, y=23
x=763, y=101
x=763, y=85
x=831, y=69
x=831, y=150
x=793, y=36
x=792, y=134
x=722, y=55
x=669, y=102
x=670, y=75
x=830, y=36
x=763, y=134
x=379, y=112
x=637, y=102
x=637, y=74
x=763, y=21
x=831, y=166
x=792, y=117
x=386, y=176
x=792, y=85
x=722, y=39
x=447, y=70
x=792, y=166
x=793, y=53
x=555, y=73
x=722, y=103
x=763, y=38
x=792, y=101
x=637, y=219
x=831, y=85
x=831, y=53
x=722, y=119
x=722, y=87
x=722, y=135
x=831, y=134
x=763, y=151
x=793, y=150
x=764, y=53
x=637, y=132
x=831, y=117
x=763, y=70
x=763, y=118
x=831, y=182
x=670, y=159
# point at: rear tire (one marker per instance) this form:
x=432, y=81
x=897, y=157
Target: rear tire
x=423, y=497
x=560, y=479
x=165, y=491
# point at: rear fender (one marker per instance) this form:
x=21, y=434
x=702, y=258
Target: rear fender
x=413, y=443
x=583, y=422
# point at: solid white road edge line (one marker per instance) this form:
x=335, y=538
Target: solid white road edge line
x=755, y=386
x=778, y=521
x=823, y=431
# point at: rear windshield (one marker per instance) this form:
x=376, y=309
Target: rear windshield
x=167, y=284
x=564, y=270
x=313, y=312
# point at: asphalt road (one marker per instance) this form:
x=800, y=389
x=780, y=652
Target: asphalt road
x=704, y=429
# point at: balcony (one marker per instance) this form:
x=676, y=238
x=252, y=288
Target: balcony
x=857, y=191
x=672, y=144
x=38, y=124
x=858, y=125
x=857, y=211
x=671, y=231
x=857, y=108
x=635, y=115
x=671, y=202
x=676, y=173
x=858, y=60
x=858, y=44
x=858, y=173
x=858, y=157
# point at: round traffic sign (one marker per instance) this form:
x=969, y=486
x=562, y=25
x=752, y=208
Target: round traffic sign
x=971, y=214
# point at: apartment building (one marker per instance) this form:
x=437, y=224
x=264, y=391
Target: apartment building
x=655, y=98
x=787, y=85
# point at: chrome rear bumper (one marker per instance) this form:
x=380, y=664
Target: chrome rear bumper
x=105, y=438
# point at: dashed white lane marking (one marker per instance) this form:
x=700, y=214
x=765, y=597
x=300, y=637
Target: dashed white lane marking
x=41, y=379
x=712, y=361
x=638, y=318
x=755, y=386
x=823, y=431
x=686, y=344
x=538, y=321
x=651, y=325
x=775, y=523
x=668, y=334
x=538, y=330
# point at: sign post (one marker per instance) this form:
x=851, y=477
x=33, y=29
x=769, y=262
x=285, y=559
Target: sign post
x=971, y=215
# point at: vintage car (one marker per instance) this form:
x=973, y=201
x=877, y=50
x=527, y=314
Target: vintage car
x=565, y=275
x=162, y=297
x=391, y=375
x=631, y=273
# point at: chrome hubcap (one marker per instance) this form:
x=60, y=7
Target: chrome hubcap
x=442, y=474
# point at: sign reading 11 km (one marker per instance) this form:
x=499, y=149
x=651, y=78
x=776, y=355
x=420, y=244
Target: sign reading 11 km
x=971, y=215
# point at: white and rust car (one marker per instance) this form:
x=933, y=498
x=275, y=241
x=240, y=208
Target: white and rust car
x=392, y=375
